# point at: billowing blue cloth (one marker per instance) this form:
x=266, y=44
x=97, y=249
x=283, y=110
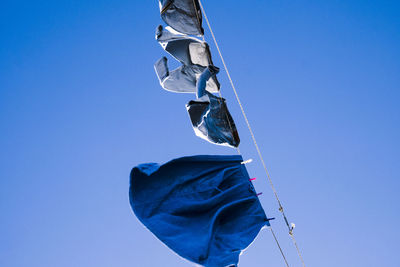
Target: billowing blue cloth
x=204, y=208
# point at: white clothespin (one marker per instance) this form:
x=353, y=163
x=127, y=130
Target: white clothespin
x=247, y=161
x=292, y=226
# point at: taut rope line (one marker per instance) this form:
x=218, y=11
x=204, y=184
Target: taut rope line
x=237, y=148
x=254, y=141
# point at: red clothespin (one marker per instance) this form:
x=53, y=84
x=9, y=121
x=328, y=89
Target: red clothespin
x=252, y=179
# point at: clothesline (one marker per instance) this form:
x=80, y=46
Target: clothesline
x=290, y=228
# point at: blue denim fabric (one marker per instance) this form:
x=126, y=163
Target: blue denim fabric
x=210, y=116
x=182, y=15
x=202, y=207
x=201, y=84
x=183, y=79
x=180, y=80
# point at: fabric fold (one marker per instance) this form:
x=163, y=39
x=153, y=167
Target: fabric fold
x=204, y=207
x=209, y=114
x=182, y=15
x=194, y=55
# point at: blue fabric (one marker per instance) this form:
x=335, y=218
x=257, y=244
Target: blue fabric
x=182, y=15
x=209, y=114
x=204, y=208
x=194, y=61
x=201, y=83
x=182, y=79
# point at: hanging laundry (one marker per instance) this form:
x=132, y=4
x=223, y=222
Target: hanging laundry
x=192, y=53
x=182, y=15
x=210, y=116
x=203, y=207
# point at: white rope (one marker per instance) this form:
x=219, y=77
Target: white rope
x=279, y=246
x=237, y=148
x=254, y=140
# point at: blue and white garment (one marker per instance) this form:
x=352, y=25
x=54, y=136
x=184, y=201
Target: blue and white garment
x=182, y=15
x=194, y=55
x=210, y=116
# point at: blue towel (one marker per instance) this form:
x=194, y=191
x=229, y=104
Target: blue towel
x=204, y=208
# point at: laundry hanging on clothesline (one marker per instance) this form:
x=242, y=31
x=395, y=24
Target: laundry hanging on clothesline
x=203, y=207
x=182, y=15
x=210, y=116
x=194, y=55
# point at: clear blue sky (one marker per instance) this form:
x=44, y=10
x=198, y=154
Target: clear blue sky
x=80, y=105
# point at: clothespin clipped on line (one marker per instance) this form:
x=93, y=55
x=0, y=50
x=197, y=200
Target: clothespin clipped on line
x=292, y=226
x=270, y=219
x=247, y=161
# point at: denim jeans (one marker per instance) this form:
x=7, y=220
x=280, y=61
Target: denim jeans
x=210, y=116
x=182, y=15
x=194, y=55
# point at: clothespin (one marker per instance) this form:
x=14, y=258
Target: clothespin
x=247, y=161
x=259, y=194
x=270, y=219
x=252, y=179
x=292, y=226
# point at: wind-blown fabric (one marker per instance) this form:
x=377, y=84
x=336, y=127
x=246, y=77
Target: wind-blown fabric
x=203, y=207
x=182, y=15
x=194, y=55
x=210, y=116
